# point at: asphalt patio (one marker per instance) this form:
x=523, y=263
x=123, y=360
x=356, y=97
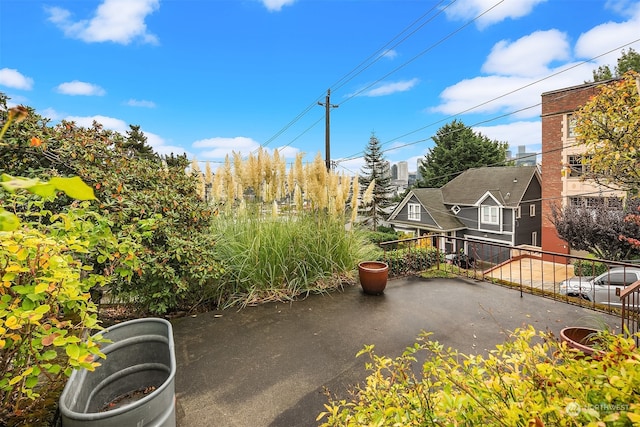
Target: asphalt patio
x=269, y=365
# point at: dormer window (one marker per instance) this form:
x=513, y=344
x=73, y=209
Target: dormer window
x=455, y=209
x=413, y=211
x=489, y=215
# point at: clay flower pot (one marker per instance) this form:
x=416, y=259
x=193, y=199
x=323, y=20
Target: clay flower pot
x=584, y=339
x=373, y=276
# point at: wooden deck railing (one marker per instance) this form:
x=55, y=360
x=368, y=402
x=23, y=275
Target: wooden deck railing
x=630, y=298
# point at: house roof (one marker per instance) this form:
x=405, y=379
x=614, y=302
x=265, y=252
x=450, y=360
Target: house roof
x=431, y=200
x=507, y=184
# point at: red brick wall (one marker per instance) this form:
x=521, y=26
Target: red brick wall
x=554, y=106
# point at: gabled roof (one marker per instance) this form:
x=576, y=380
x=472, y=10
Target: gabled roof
x=507, y=184
x=431, y=200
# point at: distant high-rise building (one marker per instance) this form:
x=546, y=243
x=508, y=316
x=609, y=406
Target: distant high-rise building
x=403, y=171
x=523, y=158
x=419, y=164
x=394, y=172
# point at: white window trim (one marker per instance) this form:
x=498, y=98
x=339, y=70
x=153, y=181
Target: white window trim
x=412, y=215
x=490, y=216
x=518, y=212
x=532, y=210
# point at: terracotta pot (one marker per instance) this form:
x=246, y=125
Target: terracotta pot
x=373, y=276
x=583, y=339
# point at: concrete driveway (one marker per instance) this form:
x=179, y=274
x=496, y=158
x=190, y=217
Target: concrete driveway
x=269, y=365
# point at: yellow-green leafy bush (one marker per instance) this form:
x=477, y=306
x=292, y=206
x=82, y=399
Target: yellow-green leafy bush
x=48, y=264
x=530, y=380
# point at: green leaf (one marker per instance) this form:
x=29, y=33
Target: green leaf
x=73, y=187
x=44, y=190
x=49, y=355
x=73, y=351
x=31, y=382
x=8, y=221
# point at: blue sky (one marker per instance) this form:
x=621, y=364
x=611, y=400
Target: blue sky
x=210, y=77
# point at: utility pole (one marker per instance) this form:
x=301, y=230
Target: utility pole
x=327, y=140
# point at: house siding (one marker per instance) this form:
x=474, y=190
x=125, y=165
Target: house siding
x=527, y=224
x=468, y=215
x=425, y=218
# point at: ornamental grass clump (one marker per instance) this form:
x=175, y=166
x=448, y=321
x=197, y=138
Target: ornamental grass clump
x=278, y=258
x=279, y=234
x=532, y=379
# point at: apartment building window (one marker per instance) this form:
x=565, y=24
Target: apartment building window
x=614, y=203
x=577, y=165
x=413, y=211
x=489, y=215
x=571, y=126
x=576, y=202
x=594, y=202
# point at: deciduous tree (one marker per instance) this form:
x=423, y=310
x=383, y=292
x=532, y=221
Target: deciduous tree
x=608, y=126
x=598, y=229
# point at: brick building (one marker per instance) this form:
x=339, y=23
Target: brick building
x=560, y=152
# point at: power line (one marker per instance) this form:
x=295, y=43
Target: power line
x=564, y=70
x=378, y=54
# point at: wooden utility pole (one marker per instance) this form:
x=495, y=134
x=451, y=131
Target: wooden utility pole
x=327, y=140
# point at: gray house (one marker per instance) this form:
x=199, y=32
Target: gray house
x=495, y=205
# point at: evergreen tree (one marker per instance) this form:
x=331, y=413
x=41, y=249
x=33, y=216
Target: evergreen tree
x=375, y=168
x=135, y=144
x=628, y=61
x=458, y=148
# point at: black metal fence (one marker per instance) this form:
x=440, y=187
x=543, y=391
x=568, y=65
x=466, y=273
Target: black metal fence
x=578, y=280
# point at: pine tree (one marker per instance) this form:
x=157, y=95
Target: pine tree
x=458, y=148
x=376, y=169
x=135, y=144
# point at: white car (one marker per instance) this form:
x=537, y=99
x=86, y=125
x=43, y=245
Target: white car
x=602, y=288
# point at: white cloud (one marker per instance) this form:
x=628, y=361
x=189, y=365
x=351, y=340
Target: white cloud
x=51, y=114
x=509, y=94
x=161, y=147
x=527, y=133
x=157, y=142
x=528, y=56
x=276, y=5
x=80, y=88
x=465, y=10
x=107, y=122
x=389, y=54
x=391, y=88
x=288, y=152
x=140, y=103
x=12, y=78
x=118, y=21
x=609, y=36
x=623, y=7
x=219, y=147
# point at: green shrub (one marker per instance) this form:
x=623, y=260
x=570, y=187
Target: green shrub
x=378, y=237
x=404, y=262
x=588, y=268
x=530, y=380
x=49, y=262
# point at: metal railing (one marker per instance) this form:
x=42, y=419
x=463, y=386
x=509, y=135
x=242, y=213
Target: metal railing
x=630, y=297
x=527, y=269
